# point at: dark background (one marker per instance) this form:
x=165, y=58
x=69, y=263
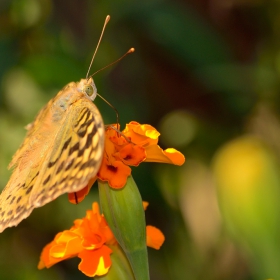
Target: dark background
x=204, y=72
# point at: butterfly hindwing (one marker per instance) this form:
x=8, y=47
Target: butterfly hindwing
x=31, y=130
x=14, y=199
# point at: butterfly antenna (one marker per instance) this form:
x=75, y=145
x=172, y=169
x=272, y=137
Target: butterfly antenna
x=105, y=23
x=131, y=50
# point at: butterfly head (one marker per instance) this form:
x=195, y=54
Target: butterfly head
x=88, y=87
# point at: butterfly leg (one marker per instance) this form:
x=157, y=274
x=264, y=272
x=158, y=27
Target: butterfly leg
x=119, y=132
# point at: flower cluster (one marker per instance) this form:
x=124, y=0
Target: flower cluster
x=88, y=239
x=135, y=144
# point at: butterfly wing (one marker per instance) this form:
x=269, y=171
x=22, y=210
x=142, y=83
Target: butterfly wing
x=31, y=130
x=76, y=158
x=66, y=163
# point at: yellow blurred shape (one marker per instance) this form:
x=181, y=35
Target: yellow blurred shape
x=198, y=203
x=246, y=172
x=22, y=94
x=241, y=164
x=26, y=13
x=178, y=128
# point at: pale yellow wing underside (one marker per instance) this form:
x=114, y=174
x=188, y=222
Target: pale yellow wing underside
x=70, y=156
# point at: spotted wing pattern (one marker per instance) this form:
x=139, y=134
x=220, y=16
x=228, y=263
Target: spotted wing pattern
x=65, y=164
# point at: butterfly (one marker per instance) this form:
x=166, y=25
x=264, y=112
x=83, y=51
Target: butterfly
x=61, y=152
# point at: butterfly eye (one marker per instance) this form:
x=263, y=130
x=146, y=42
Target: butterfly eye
x=88, y=90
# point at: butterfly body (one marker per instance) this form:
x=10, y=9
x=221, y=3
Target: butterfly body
x=61, y=152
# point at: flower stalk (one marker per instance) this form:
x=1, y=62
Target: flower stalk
x=125, y=216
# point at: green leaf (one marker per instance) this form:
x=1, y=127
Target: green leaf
x=124, y=213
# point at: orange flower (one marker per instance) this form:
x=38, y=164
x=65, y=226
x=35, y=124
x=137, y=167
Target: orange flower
x=115, y=173
x=88, y=239
x=146, y=137
x=135, y=144
x=155, y=237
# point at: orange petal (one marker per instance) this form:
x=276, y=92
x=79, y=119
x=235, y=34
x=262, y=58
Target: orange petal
x=142, y=129
x=94, y=218
x=103, y=226
x=45, y=259
x=94, y=241
x=111, y=132
x=92, y=235
x=143, y=135
x=155, y=237
x=110, y=238
x=95, y=262
x=116, y=174
x=131, y=154
x=175, y=156
x=67, y=245
x=109, y=150
x=77, y=197
x=145, y=205
x=54, y=252
x=115, y=137
x=108, y=235
x=95, y=208
x=156, y=154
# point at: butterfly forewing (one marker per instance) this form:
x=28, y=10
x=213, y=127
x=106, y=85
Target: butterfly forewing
x=62, y=151
x=76, y=157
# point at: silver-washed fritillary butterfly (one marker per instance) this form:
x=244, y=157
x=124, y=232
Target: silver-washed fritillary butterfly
x=61, y=152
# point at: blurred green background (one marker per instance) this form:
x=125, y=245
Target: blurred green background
x=206, y=74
